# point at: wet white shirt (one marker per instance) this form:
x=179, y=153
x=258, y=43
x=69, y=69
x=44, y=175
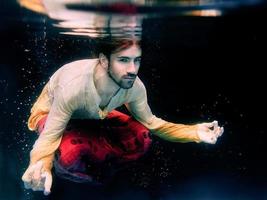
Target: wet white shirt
x=72, y=94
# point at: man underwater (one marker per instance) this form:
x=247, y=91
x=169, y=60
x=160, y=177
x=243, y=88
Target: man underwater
x=78, y=125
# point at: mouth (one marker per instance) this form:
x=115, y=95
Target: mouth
x=129, y=78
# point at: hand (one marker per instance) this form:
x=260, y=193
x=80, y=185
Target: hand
x=36, y=179
x=209, y=132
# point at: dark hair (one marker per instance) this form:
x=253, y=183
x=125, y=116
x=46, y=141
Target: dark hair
x=110, y=46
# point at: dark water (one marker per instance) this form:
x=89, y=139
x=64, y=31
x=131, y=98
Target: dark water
x=195, y=69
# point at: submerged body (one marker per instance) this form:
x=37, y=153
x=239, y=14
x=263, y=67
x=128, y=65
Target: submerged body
x=91, y=89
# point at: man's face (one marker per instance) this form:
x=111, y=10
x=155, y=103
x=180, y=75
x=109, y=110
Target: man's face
x=124, y=66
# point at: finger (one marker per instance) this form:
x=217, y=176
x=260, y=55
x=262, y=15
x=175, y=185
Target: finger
x=39, y=187
x=221, y=131
x=40, y=184
x=215, y=124
x=217, y=131
x=213, y=140
x=27, y=177
x=48, y=183
x=211, y=136
x=43, y=176
x=209, y=124
x=37, y=171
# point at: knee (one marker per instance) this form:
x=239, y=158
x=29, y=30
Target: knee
x=72, y=149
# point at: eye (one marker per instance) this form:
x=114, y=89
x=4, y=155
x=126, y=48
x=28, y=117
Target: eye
x=124, y=60
x=137, y=60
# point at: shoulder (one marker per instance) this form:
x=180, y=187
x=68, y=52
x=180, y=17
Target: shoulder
x=78, y=64
x=71, y=71
x=138, y=90
x=68, y=83
x=138, y=86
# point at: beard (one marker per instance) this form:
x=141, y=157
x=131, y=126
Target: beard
x=125, y=82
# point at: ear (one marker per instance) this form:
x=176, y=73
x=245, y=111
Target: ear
x=103, y=60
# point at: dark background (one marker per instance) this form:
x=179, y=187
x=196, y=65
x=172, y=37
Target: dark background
x=195, y=70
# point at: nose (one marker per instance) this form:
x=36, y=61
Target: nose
x=132, y=68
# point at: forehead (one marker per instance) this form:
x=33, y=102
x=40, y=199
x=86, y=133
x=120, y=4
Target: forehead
x=133, y=51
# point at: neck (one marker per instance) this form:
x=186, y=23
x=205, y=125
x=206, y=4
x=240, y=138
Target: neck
x=105, y=86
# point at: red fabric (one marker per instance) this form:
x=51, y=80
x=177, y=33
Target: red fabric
x=118, y=137
x=123, y=8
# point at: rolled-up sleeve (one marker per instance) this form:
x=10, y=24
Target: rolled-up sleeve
x=173, y=132
x=58, y=117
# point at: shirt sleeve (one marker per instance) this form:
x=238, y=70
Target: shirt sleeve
x=49, y=141
x=173, y=132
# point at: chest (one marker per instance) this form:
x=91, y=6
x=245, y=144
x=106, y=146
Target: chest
x=104, y=103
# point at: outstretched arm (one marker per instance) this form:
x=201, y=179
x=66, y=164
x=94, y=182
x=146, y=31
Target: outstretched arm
x=139, y=108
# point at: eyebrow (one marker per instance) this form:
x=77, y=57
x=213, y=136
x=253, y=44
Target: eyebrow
x=128, y=57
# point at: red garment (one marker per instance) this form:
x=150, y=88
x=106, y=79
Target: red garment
x=88, y=145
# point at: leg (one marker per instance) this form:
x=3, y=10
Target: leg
x=83, y=151
x=88, y=145
x=130, y=135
